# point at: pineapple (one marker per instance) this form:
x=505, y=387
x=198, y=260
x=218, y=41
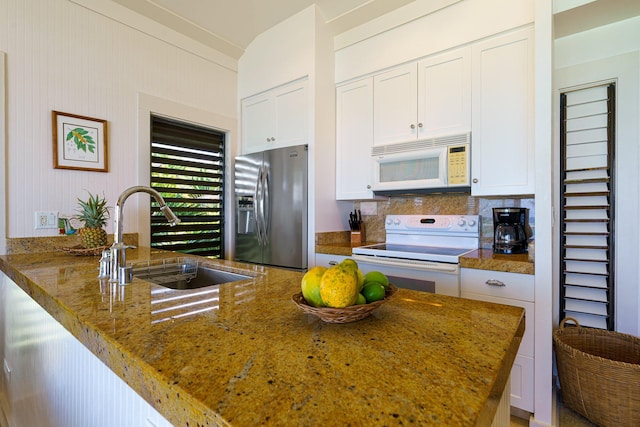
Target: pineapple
x=94, y=214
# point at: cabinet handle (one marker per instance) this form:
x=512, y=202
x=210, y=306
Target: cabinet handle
x=369, y=187
x=494, y=282
x=333, y=262
x=412, y=126
x=419, y=125
x=475, y=180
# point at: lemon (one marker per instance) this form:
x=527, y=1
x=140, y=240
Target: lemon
x=338, y=286
x=361, y=300
x=360, y=276
x=311, y=286
x=348, y=262
x=373, y=291
x=376, y=276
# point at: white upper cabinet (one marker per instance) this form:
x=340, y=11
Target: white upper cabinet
x=426, y=99
x=444, y=94
x=502, y=148
x=354, y=136
x=395, y=106
x=276, y=118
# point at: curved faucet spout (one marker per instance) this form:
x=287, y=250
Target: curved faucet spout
x=118, y=249
x=171, y=217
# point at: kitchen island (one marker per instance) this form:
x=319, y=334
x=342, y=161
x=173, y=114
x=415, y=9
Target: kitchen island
x=250, y=357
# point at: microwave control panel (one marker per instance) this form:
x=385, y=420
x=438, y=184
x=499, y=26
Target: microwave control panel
x=457, y=165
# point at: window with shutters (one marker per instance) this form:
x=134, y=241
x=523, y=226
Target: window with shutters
x=587, y=134
x=187, y=169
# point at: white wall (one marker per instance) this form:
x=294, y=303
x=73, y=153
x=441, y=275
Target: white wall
x=606, y=53
x=279, y=55
x=302, y=46
x=62, y=55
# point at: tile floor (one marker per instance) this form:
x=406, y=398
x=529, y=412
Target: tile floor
x=568, y=418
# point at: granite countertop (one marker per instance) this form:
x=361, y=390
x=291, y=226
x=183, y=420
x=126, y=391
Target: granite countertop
x=255, y=359
x=482, y=259
x=485, y=259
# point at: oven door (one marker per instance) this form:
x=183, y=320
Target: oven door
x=436, y=277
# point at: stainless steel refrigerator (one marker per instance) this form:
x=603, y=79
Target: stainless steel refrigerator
x=271, y=207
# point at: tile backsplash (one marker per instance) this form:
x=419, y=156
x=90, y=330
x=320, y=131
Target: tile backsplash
x=442, y=204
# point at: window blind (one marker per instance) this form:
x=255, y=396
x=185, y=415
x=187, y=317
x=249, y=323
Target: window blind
x=187, y=169
x=587, y=133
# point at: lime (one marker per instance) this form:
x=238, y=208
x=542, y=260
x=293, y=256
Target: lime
x=376, y=276
x=361, y=299
x=373, y=291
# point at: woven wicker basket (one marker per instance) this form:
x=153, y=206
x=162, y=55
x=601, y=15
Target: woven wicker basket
x=599, y=374
x=342, y=315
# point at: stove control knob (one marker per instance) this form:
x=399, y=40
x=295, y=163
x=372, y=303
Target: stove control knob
x=472, y=222
x=462, y=222
x=389, y=221
x=396, y=221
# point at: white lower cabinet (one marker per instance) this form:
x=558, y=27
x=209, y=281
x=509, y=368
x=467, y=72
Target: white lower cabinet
x=327, y=260
x=517, y=290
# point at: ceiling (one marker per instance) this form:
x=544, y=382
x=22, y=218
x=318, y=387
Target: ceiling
x=591, y=14
x=229, y=26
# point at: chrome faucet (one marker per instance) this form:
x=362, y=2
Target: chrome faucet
x=120, y=273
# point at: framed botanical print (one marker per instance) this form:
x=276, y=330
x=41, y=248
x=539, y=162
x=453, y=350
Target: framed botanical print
x=79, y=142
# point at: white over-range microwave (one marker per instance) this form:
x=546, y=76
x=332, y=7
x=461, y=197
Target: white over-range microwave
x=427, y=166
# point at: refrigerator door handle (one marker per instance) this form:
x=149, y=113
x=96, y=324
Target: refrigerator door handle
x=265, y=205
x=257, y=206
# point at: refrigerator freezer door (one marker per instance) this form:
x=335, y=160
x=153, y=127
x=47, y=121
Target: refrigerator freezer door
x=286, y=207
x=247, y=245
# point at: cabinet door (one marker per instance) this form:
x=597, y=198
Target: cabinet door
x=473, y=285
x=503, y=117
x=327, y=260
x=354, y=138
x=257, y=123
x=395, y=105
x=291, y=115
x=444, y=94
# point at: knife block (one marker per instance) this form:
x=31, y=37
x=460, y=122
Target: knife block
x=358, y=237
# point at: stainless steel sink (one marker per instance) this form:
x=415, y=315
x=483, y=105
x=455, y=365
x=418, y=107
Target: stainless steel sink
x=184, y=273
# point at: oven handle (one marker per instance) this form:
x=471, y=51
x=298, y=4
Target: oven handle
x=422, y=265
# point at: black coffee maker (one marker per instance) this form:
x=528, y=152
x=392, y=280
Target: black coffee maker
x=510, y=230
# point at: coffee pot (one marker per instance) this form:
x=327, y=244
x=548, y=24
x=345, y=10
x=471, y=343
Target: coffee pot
x=510, y=227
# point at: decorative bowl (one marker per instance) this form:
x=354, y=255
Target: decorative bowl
x=342, y=315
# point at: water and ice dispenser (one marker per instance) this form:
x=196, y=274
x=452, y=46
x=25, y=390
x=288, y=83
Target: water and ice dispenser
x=245, y=215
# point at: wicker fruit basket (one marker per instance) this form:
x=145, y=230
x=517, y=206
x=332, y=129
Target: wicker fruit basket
x=599, y=373
x=343, y=315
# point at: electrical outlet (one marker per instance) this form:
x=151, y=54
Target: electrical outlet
x=46, y=219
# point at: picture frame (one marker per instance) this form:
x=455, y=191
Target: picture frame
x=79, y=142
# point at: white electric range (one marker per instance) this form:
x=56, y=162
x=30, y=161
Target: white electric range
x=422, y=252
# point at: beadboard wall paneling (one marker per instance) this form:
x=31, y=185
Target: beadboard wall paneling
x=54, y=380
x=62, y=56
